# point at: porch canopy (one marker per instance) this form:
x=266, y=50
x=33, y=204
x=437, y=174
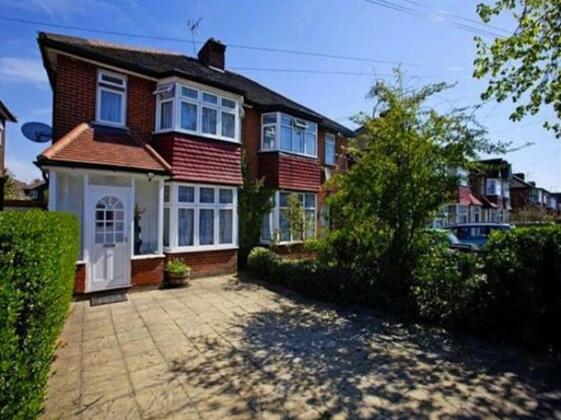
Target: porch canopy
x=93, y=158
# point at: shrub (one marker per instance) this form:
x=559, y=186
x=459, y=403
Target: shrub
x=305, y=276
x=260, y=261
x=446, y=285
x=524, y=284
x=38, y=253
x=175, y=265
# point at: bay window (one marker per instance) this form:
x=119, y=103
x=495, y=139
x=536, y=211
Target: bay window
x=111, y=98
x=192, y=109
x=200, y=217
x=277, y=224
x=288, y=134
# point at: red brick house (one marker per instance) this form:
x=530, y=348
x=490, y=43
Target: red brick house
x=526, y=196
x=5, y=116
x=494, y=184
x=466, y=208
x=146, y=152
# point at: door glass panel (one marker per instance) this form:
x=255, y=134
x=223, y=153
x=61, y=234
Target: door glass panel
x=109, y=225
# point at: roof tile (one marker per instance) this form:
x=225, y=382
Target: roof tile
x=103, y=146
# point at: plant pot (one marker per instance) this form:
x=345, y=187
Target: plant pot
x=178, y=279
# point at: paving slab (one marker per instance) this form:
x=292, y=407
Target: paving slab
x=227, y=348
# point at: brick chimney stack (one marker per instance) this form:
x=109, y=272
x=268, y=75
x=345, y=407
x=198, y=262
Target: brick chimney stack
x=212, y=54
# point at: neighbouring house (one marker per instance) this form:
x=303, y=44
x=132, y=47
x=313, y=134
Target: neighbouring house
x=527, y=196
x=5, y=116
x=493, y=183
x=467, y=208
x=146, y=152
x=35, y=190
x=557, y=196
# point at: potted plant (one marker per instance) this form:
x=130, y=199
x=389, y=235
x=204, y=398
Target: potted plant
x=178, y=273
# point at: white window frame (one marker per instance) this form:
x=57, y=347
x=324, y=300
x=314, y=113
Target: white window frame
x=278, y=124
x=178, y=99
x=174, y=205
x=121, y=90
x=475, y=210
x=497, y=186
x=274, y=217
x=1, y=133
x=331, y=138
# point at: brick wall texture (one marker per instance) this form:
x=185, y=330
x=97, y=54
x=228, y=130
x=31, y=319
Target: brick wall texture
x=209, y=263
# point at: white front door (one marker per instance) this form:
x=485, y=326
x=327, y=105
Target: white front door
x=110, y=240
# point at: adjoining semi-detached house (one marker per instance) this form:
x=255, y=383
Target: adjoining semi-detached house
x=146, y=152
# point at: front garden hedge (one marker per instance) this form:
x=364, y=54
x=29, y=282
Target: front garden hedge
x=38, y=253
x=510, y=291
x=523, y=269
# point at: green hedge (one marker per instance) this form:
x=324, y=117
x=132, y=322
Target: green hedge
x=511, y=291
x=37, y=263
x=523, y=288
x=302, y=275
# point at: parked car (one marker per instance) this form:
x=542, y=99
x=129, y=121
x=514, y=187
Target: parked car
x=455, y=243
x=458, y=245
x=477, y=234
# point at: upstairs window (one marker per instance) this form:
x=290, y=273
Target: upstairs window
x=493, y=186
x=288, y=134
x=329, y=149
x=192, y=110
x=111, y=98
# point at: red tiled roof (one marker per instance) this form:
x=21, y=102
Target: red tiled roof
x=466, y=197
x=91, y=145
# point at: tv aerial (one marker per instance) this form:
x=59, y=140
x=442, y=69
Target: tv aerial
x=37, y=132
x=193, y=26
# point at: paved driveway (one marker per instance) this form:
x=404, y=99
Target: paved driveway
x=225, y=348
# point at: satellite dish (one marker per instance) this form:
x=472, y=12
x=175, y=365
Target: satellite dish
x=37, y=132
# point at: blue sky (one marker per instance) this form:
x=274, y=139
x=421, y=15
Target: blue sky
x=431, y=50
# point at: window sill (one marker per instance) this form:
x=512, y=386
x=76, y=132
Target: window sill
x=196, y=134
x=284, y=243
x=288, y=153
x=110, y=125
x=147, y=256
x=200, y=248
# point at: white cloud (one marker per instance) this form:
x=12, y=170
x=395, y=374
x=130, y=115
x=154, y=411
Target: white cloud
x=24, y=70
x=23, y=170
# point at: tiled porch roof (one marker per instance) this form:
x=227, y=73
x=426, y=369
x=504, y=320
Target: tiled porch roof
x=487, y=204
x=95, y=146
x=467, y=198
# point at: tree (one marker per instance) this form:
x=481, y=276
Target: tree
x=254, y=202
x=386, y=200
x=13, y=189
x=525, y=65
